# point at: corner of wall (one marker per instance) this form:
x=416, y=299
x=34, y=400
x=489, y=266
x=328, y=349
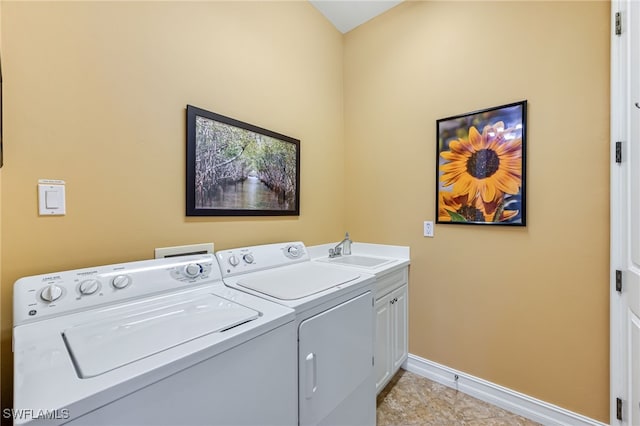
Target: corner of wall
x=1, y=109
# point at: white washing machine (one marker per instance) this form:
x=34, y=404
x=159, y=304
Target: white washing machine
x=157, y=342
x=335, y=323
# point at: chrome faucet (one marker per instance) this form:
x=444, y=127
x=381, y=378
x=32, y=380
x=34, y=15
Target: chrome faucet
x=343, y=247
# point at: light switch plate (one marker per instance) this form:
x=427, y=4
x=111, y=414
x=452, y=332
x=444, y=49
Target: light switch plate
x=51, y=198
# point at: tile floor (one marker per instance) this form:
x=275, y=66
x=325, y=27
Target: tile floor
x=410, y=399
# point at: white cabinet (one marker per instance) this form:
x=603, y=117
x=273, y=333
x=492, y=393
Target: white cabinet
x=391, y=308
x=399, y=328
x=383, y=342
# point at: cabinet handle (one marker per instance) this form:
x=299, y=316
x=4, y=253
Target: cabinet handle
x=392, y=301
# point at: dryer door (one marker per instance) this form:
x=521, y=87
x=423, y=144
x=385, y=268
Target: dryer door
x=335, y=358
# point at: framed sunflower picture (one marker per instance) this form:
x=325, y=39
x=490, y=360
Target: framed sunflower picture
x=480, y=172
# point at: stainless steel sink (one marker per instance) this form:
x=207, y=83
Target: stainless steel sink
x=359, y=261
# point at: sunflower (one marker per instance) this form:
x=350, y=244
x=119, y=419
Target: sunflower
x=485, y=165
x=456, y=208
x=459, y=208
x=448, y=203
x=496, y=207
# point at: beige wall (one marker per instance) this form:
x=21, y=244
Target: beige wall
x=526, y=308
x=95, y=94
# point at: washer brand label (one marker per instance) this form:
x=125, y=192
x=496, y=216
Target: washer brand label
x=35, y=414
x=87, y=273
x=52, y=278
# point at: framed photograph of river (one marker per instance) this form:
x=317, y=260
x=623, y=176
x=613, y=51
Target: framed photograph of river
x=480, y=167
x=238, y=169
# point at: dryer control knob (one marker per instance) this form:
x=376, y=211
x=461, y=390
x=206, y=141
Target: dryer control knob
x=121, y=281
x=51, y=293
x=233, y=260
x=248, y=258
x=192, y=270
x=293, y=251
x=88, y=287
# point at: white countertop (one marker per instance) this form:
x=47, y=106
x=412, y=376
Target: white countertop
x=398, y=256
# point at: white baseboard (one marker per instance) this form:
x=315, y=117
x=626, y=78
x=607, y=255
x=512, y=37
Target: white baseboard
x=510, y=400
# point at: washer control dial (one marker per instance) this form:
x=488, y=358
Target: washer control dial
x=233, y=260
x=51, y=293
x=293, y=251
x=88, y=287
x=248, y=258
x=192, y=270
x=121, y=281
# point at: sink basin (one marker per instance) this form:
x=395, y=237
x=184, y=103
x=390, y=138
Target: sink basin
x=359, y=261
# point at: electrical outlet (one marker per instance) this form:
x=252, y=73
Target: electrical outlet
x=428, y=228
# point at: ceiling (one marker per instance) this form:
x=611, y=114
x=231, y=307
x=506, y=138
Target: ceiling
x=345, y=15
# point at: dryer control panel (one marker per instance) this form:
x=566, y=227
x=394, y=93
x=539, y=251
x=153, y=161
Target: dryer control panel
x=57, y=293
x=256, y=258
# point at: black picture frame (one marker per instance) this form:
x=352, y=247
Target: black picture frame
x=481, y=167
x=238, y=169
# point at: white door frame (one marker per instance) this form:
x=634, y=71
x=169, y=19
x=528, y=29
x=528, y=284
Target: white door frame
x=619, y=128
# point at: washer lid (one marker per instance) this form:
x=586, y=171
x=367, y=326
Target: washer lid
x=104, y=345
x=297, y=281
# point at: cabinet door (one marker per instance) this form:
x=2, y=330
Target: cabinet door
x=383, y=342
x=400, y=327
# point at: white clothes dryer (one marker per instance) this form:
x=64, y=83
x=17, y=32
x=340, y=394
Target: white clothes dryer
x=157, y=342
x=335, y=326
